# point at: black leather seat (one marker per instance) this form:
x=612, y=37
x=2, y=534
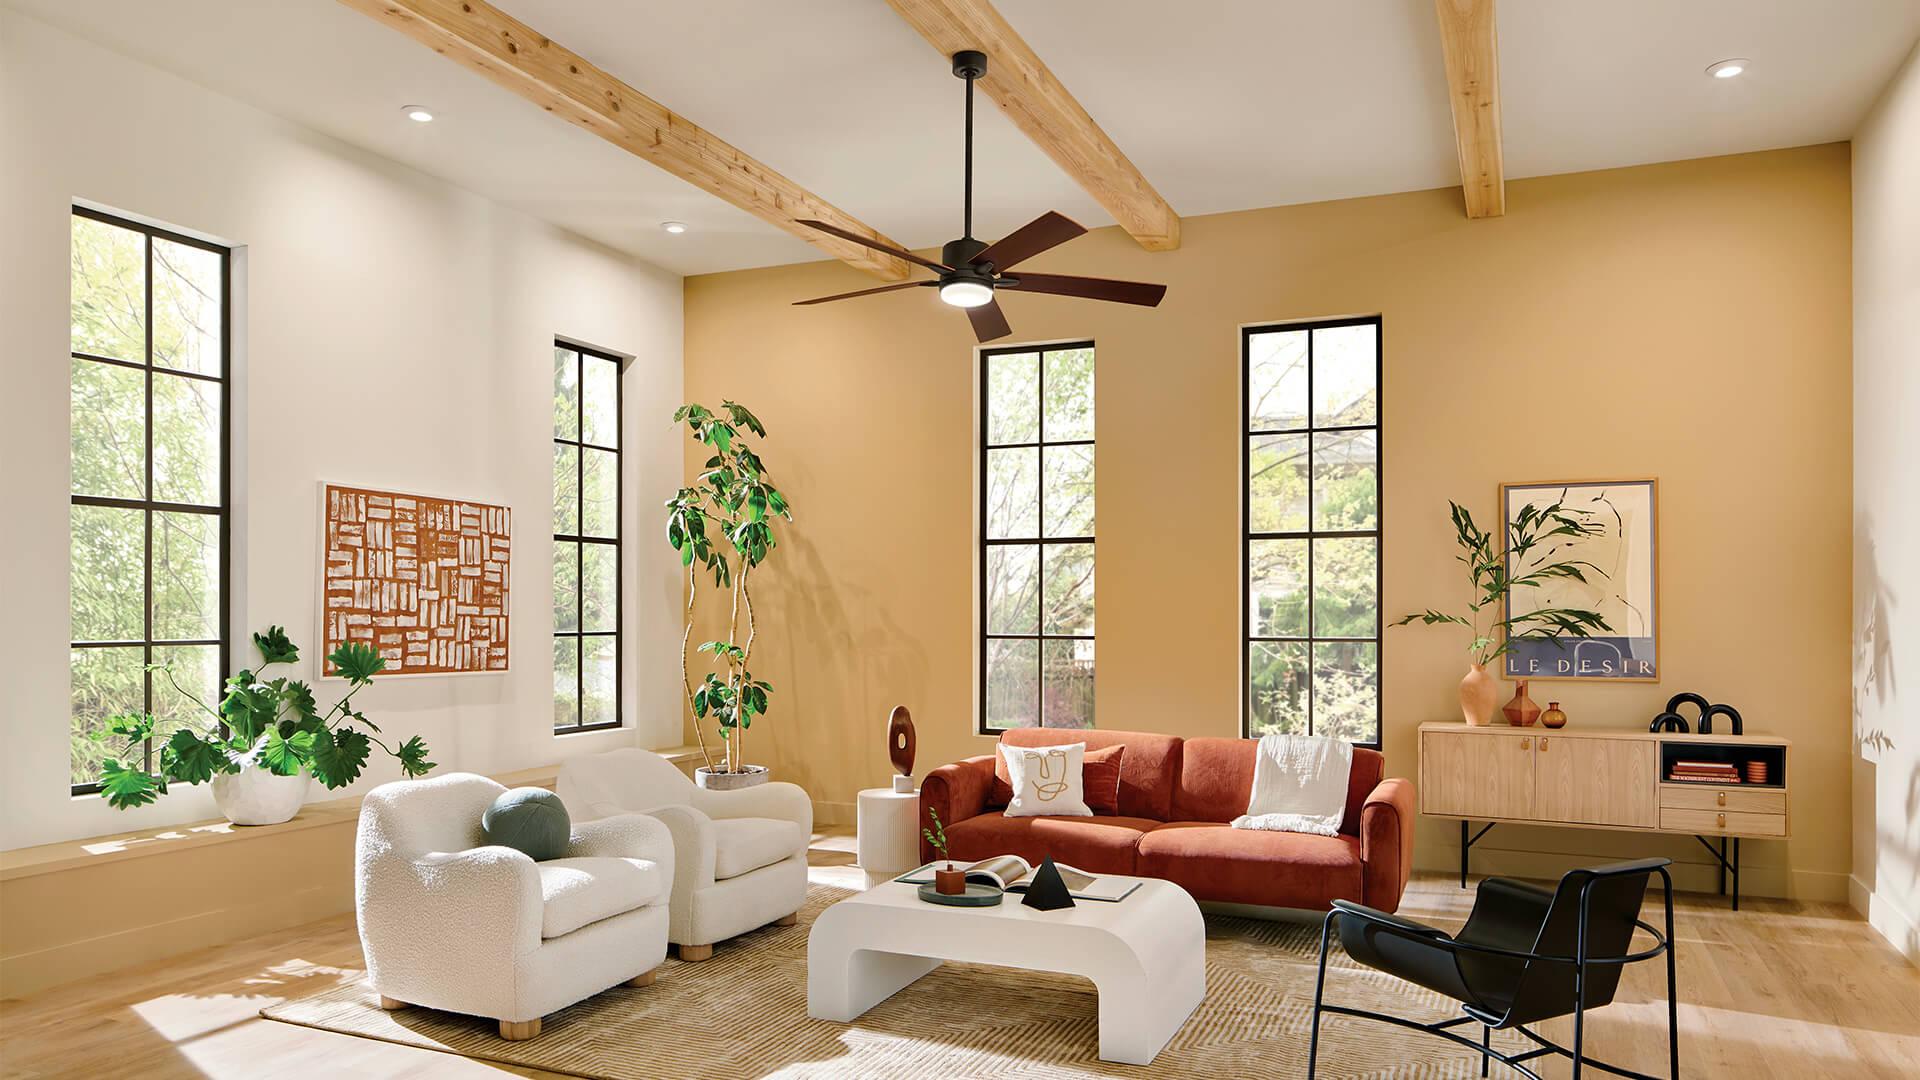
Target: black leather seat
x=1526, y=954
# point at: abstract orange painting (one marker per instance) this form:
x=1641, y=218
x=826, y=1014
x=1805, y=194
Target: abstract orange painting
x=423, y=580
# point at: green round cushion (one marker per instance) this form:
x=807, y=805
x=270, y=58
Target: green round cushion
x=530, y=820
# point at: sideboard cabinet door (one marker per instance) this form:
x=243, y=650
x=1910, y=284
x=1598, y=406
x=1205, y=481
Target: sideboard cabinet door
x=1473, y=775
x=1597, y=781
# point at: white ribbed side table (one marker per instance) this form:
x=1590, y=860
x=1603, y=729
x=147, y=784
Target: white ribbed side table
x=889, y=831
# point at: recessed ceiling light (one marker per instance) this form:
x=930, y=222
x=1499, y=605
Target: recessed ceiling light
x=419, y=114
x=1727, y=69
x=674, y=227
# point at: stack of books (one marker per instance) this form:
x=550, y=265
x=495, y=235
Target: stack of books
x=1704, y=772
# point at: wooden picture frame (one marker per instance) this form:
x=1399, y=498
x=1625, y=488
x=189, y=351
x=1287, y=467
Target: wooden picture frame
x=1628, y=597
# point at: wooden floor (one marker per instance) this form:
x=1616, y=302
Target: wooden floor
x=1779, y=989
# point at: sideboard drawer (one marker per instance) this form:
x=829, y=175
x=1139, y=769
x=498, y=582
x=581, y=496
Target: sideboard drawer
x=1703, y=797
x=1722, y=822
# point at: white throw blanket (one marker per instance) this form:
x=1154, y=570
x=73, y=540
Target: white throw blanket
x=1299, y=785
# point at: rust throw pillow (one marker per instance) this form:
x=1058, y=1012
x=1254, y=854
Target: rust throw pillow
x=1100, y=776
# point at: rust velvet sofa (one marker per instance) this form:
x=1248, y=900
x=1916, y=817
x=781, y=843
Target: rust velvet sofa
x=1177, y=797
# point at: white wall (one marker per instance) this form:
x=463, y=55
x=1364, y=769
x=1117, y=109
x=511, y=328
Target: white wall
x=1886, y=512
x=391, y=330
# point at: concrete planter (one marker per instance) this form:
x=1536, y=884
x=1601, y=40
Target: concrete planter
x=711, y=780
x=255, y=796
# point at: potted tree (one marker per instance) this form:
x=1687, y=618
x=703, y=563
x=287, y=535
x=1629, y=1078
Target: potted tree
x=264, y=744
x=1489, y=580
x=733, y=495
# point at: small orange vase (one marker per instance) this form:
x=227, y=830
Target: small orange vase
x=1522, y=711
x=1554, y=717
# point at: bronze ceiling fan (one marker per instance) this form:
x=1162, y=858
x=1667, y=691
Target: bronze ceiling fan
x=971, y=270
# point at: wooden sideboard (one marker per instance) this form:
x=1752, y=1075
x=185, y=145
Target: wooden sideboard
x=1587, y=778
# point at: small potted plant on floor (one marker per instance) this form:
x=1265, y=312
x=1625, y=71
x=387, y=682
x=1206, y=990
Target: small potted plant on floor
x=733, y=493
x=948, y=880
x=264, y=743
x=1489, y=581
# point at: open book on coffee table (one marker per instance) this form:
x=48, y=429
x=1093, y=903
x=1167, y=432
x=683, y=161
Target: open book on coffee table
x=1011, y=873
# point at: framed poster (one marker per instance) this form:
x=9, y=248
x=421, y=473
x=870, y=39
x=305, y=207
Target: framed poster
x=423, y=580
x=1625, y=592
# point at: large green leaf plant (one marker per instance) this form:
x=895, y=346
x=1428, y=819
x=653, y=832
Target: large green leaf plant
x=1534, y=537
x=733, y=495
x=265, y=723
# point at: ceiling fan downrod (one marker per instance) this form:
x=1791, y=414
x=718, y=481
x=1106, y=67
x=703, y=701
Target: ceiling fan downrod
x=968, y=65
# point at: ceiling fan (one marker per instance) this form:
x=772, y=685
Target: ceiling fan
x=971, y=271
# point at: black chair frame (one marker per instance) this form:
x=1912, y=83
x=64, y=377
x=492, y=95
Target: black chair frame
x=1490, y=1022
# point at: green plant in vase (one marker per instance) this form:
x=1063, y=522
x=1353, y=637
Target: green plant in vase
x=270, y=725
x=1490, y=581
x=733, y=494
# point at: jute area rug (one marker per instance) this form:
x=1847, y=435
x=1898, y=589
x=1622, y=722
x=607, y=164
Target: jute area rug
x=744, y=1014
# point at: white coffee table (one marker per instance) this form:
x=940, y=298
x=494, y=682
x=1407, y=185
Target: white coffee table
x=1146, y=955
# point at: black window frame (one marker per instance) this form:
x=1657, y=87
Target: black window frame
x=147, y=504
x=1247, y=536
x=1040, y=637
x=578, y=633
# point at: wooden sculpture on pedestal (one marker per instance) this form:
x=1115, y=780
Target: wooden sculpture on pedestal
x=900, y=747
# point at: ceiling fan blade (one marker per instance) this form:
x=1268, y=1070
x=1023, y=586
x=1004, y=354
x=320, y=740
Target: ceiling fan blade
x=1049, y=230
x=866, y=292
x=874, y=244
x=1090, y=288
x=989, y=322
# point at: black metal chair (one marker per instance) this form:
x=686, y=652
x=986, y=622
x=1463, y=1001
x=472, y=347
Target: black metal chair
x=1526, y=954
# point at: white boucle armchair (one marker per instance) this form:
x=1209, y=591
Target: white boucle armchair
x=446, y=923
x=740, y=857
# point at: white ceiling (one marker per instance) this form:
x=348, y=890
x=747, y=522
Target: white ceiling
x=1223, y=104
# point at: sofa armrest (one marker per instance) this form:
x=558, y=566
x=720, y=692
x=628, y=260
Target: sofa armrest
x=694, y=849
x=956, y=792
x=1386, y=842
x=625, y=836
x=787, y=802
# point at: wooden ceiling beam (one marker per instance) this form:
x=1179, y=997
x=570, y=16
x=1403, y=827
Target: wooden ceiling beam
x=1469, y=40
x=514, y=55
x=1019, y=82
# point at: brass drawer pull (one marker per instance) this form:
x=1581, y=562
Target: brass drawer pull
x=1720, y=820
x=1526, y=744
x=1543, y=744
x=1723, y=798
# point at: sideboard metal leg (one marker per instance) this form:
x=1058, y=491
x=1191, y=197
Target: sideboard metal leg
x=1465, y=845
x=1736, y=873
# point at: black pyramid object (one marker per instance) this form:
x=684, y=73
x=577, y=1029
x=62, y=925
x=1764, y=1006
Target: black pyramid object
x=1046, y=891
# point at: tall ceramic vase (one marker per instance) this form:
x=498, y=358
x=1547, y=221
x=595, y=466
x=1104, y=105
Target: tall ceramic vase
x=1479, y=695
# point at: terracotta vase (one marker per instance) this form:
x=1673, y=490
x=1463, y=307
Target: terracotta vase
x=950, y=882
x=1522, y=711
x=1554, y=717
x=1479, y=696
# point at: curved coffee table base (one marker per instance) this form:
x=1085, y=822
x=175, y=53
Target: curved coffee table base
x=1145, y=955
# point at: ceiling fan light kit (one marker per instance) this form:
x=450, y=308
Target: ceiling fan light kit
x=971, y=271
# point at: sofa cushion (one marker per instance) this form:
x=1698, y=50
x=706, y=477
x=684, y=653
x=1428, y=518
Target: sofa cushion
x=1147, y=770
x=575, y=892
x=1100, y=779
x=1099, y=845
x=1216, y=781
x=1249, y=866
x=744, y=844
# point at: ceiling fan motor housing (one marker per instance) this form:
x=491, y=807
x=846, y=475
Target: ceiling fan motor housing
x=961, y=253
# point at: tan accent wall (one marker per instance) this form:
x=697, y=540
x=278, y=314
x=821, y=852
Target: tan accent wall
x=1688, y=321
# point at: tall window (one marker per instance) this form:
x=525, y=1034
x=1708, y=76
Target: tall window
x=149, y=478
x=1311, y=517
x=586, y=539
x=1036, y=559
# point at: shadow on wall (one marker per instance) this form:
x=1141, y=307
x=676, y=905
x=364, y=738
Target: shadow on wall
x=1873, y=675
x=844, y=704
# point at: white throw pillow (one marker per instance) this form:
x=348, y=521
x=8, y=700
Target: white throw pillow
x=1046, y=780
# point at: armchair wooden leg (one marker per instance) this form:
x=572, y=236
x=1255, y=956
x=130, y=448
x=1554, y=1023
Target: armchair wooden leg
x=792, y=919
x=391, y=1004
x=693, y=954
x=645, y=978
x=519, y=1030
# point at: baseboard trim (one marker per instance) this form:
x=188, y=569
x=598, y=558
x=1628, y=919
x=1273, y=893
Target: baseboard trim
x=1899, y=927
x=834, y=813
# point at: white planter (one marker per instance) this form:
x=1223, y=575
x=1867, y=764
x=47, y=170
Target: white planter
x=256, y=796
x=754, y=776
